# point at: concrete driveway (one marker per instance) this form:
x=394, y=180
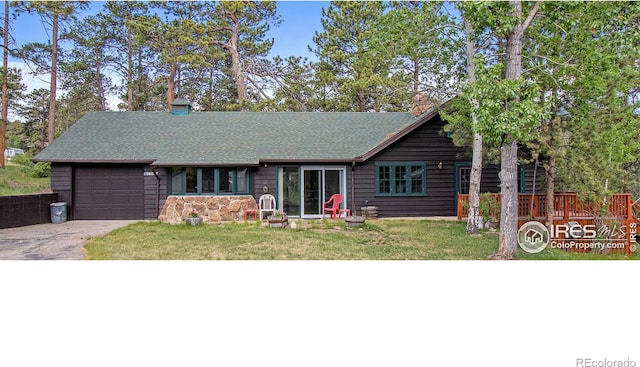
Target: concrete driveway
x=62, y=241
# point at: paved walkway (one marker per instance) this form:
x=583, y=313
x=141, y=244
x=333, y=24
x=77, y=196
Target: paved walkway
x=62, y=241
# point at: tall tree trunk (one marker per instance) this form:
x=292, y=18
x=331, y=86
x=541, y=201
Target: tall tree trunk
x=129, y=70
x=476, y=161
x=5, y=78
x=238, y=75
x=139, y=82
x=102, y=100
x=210, y=91
x=236, y=65
x=550, y=177
x=54, y=77
x=508, y=246
x=361, y=102
x=171, y=85
x=474, y=185
x=179, y=83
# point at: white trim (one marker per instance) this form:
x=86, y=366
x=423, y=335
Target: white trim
x=323, y=168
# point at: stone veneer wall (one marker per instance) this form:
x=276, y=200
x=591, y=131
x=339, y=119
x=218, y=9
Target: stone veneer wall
x=212, y=209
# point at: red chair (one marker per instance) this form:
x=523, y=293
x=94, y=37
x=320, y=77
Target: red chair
x=332, y=206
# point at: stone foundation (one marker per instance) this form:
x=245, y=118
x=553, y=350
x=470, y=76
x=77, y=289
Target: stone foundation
x=212, y=209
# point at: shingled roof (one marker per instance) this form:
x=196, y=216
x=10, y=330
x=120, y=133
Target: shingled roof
x=226, y=138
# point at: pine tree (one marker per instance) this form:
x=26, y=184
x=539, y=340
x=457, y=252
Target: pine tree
x=5, y=82
x=583, y=56
x=352, y=75
x=239, y=29
x=426, y=47
x=129, y=25
x=53, y=13
x=35, y=112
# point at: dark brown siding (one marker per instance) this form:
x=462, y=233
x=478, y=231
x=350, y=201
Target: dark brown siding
x=156, y=191
x=529, y=170
x=62, y=184
x=265, y=176
x=491, y=179
x=425, y=144
x=108, y=192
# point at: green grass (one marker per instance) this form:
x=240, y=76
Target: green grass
x=15, y=180
x=312, y=240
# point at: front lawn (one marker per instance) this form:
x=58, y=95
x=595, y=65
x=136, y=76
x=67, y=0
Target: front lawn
x=312, y=240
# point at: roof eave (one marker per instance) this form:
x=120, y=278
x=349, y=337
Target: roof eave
x=95, y=161
x=191, y=164
x=306, y=160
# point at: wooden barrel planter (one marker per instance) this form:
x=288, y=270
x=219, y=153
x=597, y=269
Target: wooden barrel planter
x=278, y=222
x=370, y=212
x=354, y=221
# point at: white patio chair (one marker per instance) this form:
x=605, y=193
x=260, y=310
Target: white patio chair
x=267, y=203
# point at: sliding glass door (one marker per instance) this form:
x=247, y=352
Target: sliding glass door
x=316, y=185
x=289, y=190
x=312, y=193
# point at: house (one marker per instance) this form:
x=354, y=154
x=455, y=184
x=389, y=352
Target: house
x=148, y=165
x=12, y=152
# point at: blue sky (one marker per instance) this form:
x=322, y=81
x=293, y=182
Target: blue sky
x=300, y=21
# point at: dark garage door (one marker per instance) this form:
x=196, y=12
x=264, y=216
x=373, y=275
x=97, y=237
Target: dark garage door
x=109, y=193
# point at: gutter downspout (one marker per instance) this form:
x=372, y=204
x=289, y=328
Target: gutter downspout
x=353, y=188
x=155, y=173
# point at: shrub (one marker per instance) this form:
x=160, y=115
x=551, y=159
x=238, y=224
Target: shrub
x=23, y=160
x=489, y=206
x=37, y=170
x=40, y=169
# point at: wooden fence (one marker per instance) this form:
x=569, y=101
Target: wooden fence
x=619, y=215
x=24, y=210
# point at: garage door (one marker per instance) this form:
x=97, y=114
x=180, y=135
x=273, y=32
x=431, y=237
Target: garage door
x=108, y=193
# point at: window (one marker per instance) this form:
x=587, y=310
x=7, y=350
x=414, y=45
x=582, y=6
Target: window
x=242, y=180
x=176, y=179
x=191, y=175
x=401, y=178
x=384, y=180
x=226, y=180
x=209, y=181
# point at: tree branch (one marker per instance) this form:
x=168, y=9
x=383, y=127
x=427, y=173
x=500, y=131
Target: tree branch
x=532, y=14
x=264, y=95
x=549, y=59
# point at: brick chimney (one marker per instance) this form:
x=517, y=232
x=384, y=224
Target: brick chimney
x=420, y=104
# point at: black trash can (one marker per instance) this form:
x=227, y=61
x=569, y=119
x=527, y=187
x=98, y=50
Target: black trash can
x=58, y=212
